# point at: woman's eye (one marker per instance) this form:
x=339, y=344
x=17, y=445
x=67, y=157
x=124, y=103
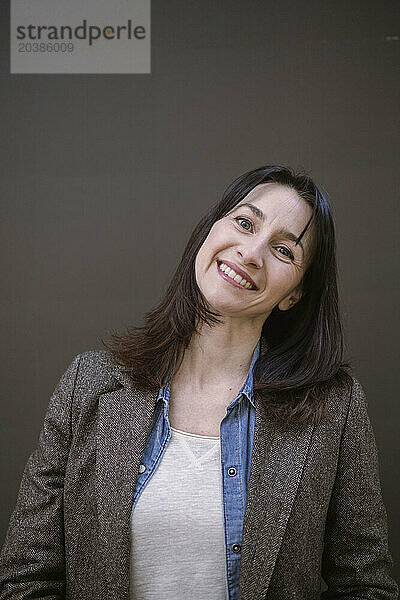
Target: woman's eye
x=289, y=252
x=238, y=219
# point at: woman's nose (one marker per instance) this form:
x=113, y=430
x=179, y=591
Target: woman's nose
x=251, y=255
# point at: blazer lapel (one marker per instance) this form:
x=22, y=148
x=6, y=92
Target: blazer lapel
x=124, y=421
x=276, y=466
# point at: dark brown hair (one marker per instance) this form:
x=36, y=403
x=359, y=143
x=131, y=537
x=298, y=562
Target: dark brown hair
x=304, y=344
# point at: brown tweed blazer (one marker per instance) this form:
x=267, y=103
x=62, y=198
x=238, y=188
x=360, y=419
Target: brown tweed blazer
x=314, y=504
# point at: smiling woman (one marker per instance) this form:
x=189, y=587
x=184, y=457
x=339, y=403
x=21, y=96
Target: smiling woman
x=223, y=449
x=272, y=258
x=274, y=229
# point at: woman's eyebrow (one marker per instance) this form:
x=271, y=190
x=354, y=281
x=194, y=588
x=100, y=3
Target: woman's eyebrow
x=288, y=235
x=255, y=210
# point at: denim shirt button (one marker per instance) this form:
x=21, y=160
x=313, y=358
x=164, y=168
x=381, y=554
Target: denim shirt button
x=142, y=468
x=236, y=548
x=232, y=471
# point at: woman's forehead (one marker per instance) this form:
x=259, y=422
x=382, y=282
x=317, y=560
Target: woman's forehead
x=271, y=189
x=274, y=199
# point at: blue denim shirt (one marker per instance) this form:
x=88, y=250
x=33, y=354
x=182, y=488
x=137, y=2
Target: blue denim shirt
x=236, y=438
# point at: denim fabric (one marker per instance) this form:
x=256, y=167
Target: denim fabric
x=236, y=437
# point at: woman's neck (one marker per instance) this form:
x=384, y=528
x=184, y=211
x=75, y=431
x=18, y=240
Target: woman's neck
x=216, y=356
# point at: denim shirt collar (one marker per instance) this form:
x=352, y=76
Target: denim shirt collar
x=246, y=389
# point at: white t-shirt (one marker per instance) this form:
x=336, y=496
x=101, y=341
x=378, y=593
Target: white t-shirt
x=177, y=525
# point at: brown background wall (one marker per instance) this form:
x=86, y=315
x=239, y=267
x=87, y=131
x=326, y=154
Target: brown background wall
x=102, y=178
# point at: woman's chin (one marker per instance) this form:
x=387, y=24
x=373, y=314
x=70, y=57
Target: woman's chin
x=226, y=309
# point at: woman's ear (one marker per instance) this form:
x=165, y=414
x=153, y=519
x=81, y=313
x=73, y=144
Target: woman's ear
x=291, y=299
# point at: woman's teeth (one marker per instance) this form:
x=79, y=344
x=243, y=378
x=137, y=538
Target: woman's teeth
x=233, y=275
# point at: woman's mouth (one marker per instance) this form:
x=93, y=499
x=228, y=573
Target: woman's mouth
x=232, y=277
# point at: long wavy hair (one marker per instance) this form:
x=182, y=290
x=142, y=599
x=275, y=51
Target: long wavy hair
x=304, y=344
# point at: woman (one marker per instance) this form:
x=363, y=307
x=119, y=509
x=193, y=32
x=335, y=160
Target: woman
x=141, y=486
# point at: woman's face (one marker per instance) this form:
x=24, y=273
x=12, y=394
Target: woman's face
x=256, y=242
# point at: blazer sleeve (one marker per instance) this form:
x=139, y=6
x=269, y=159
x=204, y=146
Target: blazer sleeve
x=356, y=562
x=32, y=560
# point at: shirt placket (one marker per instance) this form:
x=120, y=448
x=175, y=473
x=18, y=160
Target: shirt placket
x=232, y=497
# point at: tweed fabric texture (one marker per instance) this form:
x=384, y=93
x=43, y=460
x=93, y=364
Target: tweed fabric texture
x=314, y=503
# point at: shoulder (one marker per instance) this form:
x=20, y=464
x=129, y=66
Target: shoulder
x=97, y=361
x=352, y=394
x=345, y=397
x=357, y=412
x=97, y=371
x=92, y=374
